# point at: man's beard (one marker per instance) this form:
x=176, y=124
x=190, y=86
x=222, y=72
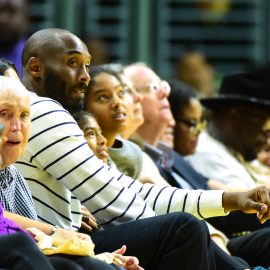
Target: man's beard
x=56, y=88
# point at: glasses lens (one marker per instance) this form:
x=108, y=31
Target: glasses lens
x=154, y=87
x=194, y=126
x=166, y=86
x=200, y=126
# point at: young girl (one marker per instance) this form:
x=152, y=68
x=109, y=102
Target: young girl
x=93, y=134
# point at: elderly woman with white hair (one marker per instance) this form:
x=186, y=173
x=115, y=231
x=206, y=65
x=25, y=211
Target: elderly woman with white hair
x=17, y=211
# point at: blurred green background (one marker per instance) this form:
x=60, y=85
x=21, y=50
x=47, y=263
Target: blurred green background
x=233, y=35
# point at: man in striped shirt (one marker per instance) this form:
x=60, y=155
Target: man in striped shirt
x=62, y=172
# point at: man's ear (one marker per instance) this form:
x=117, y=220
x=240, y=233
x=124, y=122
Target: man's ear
x=35, y=67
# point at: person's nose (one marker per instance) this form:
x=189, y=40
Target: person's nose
x=163, y=93
x=164, y=89
x=116, y=102
x=84, y=75
x=172, y=123
x=15, y=124
x=102, y=140
x=138, y=97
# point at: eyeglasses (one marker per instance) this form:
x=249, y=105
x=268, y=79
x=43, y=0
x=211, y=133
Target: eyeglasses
x=156, y=87
x=194, y=126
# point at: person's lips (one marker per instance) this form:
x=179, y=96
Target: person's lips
x=79, y=90
x=12, y=143
x=103, y=152
x=165, y=106
x=119, y=115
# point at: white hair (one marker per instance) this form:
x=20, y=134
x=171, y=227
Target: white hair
x=12, y=89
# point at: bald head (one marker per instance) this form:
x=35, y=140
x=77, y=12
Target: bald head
x=156, y=110
x=140, y=74
x=47, y=42
x=56, y=65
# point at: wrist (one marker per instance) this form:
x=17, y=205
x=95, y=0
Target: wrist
x=54, y=229
x=229, y=201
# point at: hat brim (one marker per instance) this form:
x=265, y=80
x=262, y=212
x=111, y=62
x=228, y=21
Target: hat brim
x=226, y=101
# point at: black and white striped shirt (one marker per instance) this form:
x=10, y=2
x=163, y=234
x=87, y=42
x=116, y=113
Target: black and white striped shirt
x=62, y=171
x=15, y=194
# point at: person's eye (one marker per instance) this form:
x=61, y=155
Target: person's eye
x=25, y=116
x=122, y=92
x=192, y=124
x=154, y=87
x=166, y=86
x=87, y=66
x=90, y=134
x=5, y=114
x=102, y=98
x=129, y=91
x=72, y=62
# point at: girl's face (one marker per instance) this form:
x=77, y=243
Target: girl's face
x=95, y=139
x=106, y=100
x=187, y=128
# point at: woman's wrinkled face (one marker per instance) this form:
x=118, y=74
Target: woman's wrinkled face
x=186, y=131
x=15, y=116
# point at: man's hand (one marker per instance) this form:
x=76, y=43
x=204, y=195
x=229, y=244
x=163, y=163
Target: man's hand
x=256, y=200
x=89, y=222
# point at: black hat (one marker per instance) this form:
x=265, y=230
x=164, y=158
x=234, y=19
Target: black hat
x=247, y=89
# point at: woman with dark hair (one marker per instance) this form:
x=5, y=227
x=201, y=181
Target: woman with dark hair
x=187, y=112
x=117, y=109
x=8, y=69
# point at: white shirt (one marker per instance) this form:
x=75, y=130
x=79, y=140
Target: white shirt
x=62, y=172
x=214, y=160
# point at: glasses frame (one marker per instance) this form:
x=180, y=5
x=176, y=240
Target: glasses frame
x=155, y=87
x=193, y=126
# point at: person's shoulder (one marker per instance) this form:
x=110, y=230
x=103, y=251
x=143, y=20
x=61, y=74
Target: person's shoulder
x=11, y=170
x=130, y=144
x=208, y=144
x=46, y=101
x=44, y=108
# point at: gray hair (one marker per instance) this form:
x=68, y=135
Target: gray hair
x=11, y=89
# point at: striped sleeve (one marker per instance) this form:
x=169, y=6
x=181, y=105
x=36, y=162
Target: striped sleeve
x=61, y=170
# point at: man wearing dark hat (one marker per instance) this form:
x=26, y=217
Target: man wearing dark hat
x=236, y=132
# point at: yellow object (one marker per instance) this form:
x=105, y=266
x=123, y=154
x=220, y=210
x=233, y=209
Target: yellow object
x=57, y=243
